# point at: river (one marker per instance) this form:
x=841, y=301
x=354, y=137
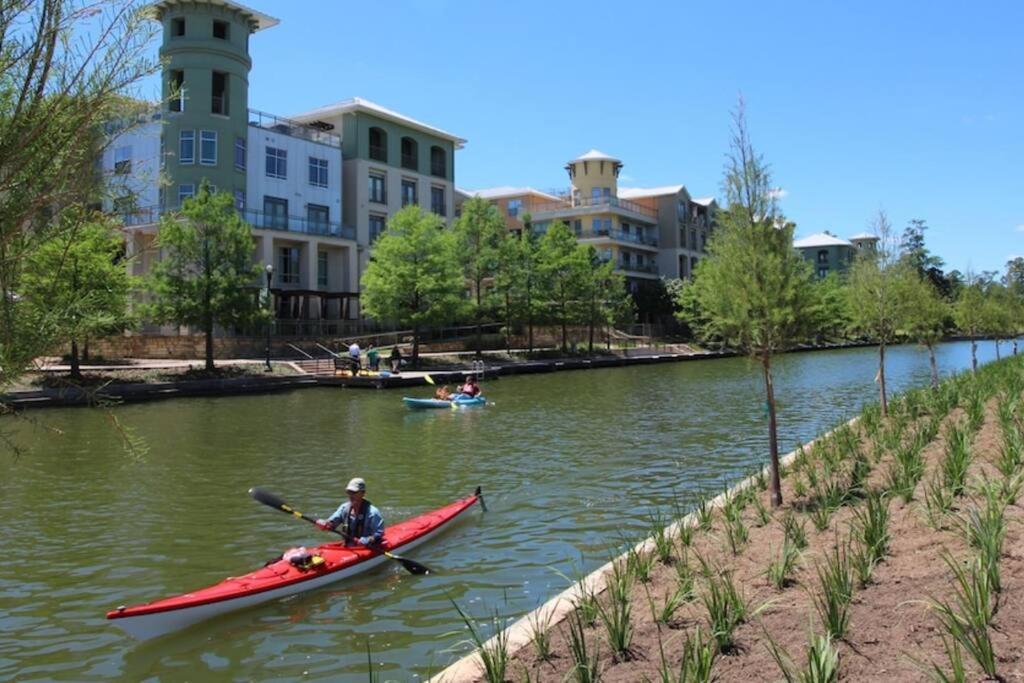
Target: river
x=571, y=465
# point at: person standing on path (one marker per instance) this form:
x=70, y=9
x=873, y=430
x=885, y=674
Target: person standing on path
x=373, y=357
x=353, y=354
x=395, y=359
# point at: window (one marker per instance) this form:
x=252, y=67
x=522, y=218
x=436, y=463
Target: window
x=438, y=162
x=178, y=27
x=639, y=259
x=187, y=147
x=378, y=144
x=626, y=260
x=514, y=205
x=376, y=227
x=123, y=205
x=275, y=213
x=321, y=269
x=607, y=192
x=240, y=153
x=822, y=273
x=607, y=226
x=186, y=192
x=240, y=199
x=408, y=192
x=277, y=163
x=410, y=154
x=437, y=204
x=693, y=264
x=208, y=147
x=577, y=227
x=595, y=193
x=288, y=265
x=317, y=172
x=318, y=217
x=693, y=239
x=220, y=29
x=219, y=90
x=176, y=89
x=123, y=160
x=377, y=193
x=823, y=256
x=595, y=226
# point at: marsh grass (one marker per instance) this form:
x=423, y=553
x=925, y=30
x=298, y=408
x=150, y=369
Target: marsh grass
x=822, y=661
x=493, y=652
x=540, y=633
x=736, y=535
x=726, y=608
x=984, y=528
x=938, y=502
x=762, y=515
x=795, y=530
x=585, y=665
x=966, y=619
x=697, y=663
x=780, y=570
x=871, y=526
x=957, y=460
x=835, y=590
x=663, y=546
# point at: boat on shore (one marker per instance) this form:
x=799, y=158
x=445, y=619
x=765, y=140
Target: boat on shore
x=282, y=577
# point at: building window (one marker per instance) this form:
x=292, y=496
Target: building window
x=377, y=193
x=693, y=239
x=595, y=193
x=220, y=29
x=186, y=192
x=318, y=217
x=219, y=90
x=240, y=200
x=514, y=206
x=378, y=144
x=317, y=172
x=437, y=204
x=208, y=147
x=178, y=27
x=187, y=146
x=376, y=227
x=124, y=205
x=823, y=256
x=607, y=192
x=607, y=227
x=288, y=265
x=577, y=227
x=408, y=192
x=321, y=269
x=595, y=226
x=626, y=260
x=822, y=273
x=277, y=163
x=438, y=162
x=176, y=89
x=123, y=160
x=410, y=154
x=240, y=153
x=275, y=213
x=693, y=264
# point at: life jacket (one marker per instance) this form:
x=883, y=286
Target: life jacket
x=354, y=525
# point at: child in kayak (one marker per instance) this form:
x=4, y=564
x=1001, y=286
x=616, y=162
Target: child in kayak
x=359, y=519
x=442, y=394
x=470, y=388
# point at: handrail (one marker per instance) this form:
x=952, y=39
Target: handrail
x=300, y=351
x=321, y=346
x=583, y=202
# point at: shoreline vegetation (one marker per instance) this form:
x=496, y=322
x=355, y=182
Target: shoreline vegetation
x=898, y=555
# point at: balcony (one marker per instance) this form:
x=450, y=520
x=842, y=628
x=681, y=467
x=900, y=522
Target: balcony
x=257, y=219
x=650, y=268
x=594, y=203
x=379, y=153
x=620, y=236
x=411, y=162
x=276, y=124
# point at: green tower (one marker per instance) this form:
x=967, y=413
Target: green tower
x=205, y=52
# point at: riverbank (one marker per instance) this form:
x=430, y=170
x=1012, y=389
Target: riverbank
x=891, y=529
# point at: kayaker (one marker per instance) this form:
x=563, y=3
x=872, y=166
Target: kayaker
x=442, y=394
x=470, y=388
x=357, y=518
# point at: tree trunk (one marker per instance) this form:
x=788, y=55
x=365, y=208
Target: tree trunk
x=773, y=441
x=85, y=349
x=1015, y=347
x=508, y=323
x=479, y=325
x=590, y=339
x=881, y=379
x=565, y=334
x=997, y=349
x=76, y=371
x=529, y=324
x=935, y=369
x=974, y=355
x=209, y=344
x=415, y=346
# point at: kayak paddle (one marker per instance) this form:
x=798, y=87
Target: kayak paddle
x=428, y=378
x=271, y=500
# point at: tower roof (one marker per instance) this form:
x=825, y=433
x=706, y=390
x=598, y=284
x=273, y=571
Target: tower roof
x=595, y=155
x=258, y=20
x=359, y=104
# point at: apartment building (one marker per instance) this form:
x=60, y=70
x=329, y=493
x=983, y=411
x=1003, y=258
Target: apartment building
x=316, y=188
x=646, y=233
x=830, y=254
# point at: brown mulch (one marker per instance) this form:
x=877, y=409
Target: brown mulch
x=891, y=624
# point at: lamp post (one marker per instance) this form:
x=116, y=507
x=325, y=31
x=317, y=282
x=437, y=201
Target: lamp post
x=270, y=307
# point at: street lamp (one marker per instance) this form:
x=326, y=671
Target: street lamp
x=270, y=318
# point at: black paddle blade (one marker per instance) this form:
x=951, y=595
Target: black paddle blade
x=410, y=566
x=269, y=499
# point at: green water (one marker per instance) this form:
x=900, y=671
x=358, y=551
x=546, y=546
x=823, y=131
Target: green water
x=571, y=463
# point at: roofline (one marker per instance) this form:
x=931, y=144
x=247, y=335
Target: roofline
x=259, y=19
x=358, y=104
x=514, y=192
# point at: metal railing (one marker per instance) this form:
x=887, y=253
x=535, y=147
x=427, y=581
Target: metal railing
x=620, y=235
x=536, y=208
x=379, y=153
x=255, y=218
x=651, y=268
x=439, y=170
x=295, y=129
x=411, y=162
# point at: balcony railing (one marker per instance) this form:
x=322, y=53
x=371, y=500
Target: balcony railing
x=379, y=153
x=257, y=219
x=620, y=235
x=411, y=162
x=651, y=268
x=295, y=129
x=587, y=202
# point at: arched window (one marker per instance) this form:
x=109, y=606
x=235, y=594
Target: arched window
x=378, y=144
x=438, y=162
x=410, y=154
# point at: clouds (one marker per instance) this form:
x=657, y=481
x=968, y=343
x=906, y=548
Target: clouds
x=778, y=193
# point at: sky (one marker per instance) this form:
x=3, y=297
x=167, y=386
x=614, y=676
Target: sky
x=911, y=107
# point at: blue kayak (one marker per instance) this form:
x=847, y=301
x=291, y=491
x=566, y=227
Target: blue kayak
x=457, y=402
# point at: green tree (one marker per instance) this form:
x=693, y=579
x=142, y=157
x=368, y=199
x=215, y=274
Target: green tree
x=877, y=288
x=603, y=299
x=925, y=316
x=998, y=315
x=832, y=313
x=563, y=270
x=515, y=282
x=479, y=235
x=76, y=282
x=413, y=277
x=969, y=313
x=753, y=291
x=65, y=69
x=207, y=277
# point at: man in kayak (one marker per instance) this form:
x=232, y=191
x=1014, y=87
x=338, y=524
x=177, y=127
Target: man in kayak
x=358, y=518
x=470, y=388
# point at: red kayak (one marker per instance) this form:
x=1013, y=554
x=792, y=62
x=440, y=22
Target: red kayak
x=281, y=578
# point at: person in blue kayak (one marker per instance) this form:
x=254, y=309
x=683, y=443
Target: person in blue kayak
x=470, y=388
x=357, y=518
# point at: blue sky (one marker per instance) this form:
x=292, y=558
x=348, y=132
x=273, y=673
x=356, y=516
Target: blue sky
x=913, y=107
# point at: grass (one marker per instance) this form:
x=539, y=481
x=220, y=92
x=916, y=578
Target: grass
x=540, y=633
x=640, y=563
x=984, y=528
x=795, y=530
x=763, y=515
x=780, y=570
x=726, y=608
x=705, y=515
x=958, y=459
x=822, y=661
x=494, y=652
x=967, y=618
x=832, y=600
x=585, y=665
x=938, y=502
x=871, y=526
x=696, y=665
x=663, y=546
x=905, y=471
x=617, y=624
x=736, y=535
